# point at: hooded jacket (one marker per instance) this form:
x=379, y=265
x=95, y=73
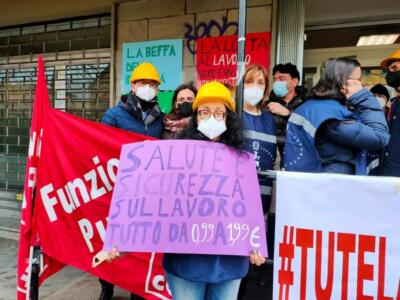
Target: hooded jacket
x=324, y=136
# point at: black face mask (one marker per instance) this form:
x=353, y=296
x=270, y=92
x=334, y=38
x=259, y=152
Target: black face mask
x=393, y=79
x=185, y=109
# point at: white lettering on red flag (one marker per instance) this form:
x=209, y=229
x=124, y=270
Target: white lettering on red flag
x=72, y=167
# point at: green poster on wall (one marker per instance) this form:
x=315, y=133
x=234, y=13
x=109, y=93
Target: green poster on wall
x=165, y=101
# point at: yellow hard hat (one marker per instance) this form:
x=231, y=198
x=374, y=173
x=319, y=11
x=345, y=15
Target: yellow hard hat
x=145, y=70
x=387, y=61
x=214, y=92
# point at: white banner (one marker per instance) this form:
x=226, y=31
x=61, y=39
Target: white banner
x=337, y=237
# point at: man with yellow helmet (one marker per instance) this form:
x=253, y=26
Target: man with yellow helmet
x=137, y=112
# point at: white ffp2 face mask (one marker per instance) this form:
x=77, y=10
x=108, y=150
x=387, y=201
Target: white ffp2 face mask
x=253, y=95
x=212, y=128
x=146, y=93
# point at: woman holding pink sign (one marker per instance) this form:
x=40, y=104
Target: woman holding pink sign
x=203, y=277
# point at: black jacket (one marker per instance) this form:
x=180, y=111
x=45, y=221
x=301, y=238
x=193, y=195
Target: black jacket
x=391, y=163
x=282, y=121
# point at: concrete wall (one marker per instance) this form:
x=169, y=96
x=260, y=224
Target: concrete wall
x=177, y=19
x=142, y=20
x=19, y=12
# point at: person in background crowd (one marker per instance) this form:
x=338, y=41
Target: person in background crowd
x=260, y=128
x=391, y=162
x=260, y=138
x=216, y=277
x=375, y=158
x=325, y=136
x=179, y=117
x=138, y=112
x=382, y=95
x=286, y=96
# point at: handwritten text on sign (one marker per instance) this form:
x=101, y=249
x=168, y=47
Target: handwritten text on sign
x=166, y=55
x=186, y=197
x=337, y=237
x=217, y=56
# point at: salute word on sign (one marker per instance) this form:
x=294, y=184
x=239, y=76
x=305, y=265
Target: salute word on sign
x=186, y=197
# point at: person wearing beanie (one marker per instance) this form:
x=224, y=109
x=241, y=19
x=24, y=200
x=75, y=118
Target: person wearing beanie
x=382, y=95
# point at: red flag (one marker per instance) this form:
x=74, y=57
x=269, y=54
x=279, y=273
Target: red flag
x=73, y=181
x=28, y=235
x=78, y=168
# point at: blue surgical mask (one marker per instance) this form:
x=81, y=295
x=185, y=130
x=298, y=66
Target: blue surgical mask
x=280, y=89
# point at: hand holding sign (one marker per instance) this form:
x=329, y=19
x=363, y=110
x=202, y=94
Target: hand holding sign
x=256, y=258
x=103, y=256
x=186, y=197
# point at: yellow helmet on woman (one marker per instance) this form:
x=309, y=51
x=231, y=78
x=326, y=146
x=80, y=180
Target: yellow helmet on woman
x=214, y=92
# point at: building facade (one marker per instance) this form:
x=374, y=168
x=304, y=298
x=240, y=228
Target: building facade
x=82, y=43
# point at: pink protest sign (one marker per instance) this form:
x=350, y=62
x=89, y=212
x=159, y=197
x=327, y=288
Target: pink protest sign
x=186, y=196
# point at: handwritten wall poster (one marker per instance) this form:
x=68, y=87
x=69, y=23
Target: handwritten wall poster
x=337, y=237
x=217, y=56
x=166, y=55
x=186, y=196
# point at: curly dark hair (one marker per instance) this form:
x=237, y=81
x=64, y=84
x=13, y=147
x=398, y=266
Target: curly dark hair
x=184, y=86
x=233, y=136
x=288, y=68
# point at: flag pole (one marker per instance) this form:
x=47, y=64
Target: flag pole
x=34, y=280
x=32, y=283
x=241, y=57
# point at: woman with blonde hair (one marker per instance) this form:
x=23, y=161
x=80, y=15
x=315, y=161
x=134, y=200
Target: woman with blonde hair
x=260, y=138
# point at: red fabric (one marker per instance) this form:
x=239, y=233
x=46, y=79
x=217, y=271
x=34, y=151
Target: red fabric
x=28, y=236
x=70, y=205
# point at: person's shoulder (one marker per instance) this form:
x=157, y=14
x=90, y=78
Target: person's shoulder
x=318, y=106
x=117, y=109
x=265, y=114
x=112, y=113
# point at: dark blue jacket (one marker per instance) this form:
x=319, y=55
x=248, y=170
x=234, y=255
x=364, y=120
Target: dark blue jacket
x=324, y=136
x=260, y=133
x=391, y=164
x=120, y=117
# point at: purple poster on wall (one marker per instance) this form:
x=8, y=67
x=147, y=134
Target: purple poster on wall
x=186, y=196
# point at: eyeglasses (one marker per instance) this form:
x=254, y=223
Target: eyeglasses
x=206, y=114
